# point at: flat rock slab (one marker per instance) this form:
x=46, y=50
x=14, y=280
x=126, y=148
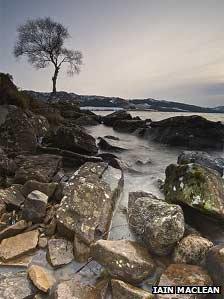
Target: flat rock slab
x=60, y=252
x=37, y=167
x=77, y=288
x=41, y=278
x=159, y=224
x=13, y=230
x=15, y=286
x=16, y=246
x=184, y=275
x=124, y=259
x=122, y=290
x=196, y=186
x=88, y=203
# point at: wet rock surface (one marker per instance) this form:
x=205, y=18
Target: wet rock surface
x=73, y=139
x=128, y=126
x=184, y=275
x=192, y=249
x=196, y=186
x=122, y=290
x=203, y=159
x=110, y=119
x=15, y=286
x=88, y=203
x=124, y=259
x=159, y=224
x=194, y=132
x=109, y=146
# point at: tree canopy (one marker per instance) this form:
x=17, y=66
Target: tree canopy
x=42, y=41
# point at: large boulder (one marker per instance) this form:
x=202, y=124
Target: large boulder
x=184, y=275
x=196, y=186
x=159, y=224
x=192, y=249
x=37, y=167
x=193, y=132
x=73, y=139
x=110, y=119
x=128, y=126
x=203, y=159
x=124, y=259
x=122, y=290
x=88, y=203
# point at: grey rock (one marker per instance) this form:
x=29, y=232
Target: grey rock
x=159, y=224
x=15, y=286
x=60, y=252
x=203, y=159
x=124, y=259
x=35, y=206
x=88, y=203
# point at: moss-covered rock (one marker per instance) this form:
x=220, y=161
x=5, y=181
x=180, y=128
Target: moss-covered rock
x=195, y=186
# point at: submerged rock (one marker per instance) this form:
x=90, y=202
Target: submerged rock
x=35, y=206
x=215, y=265
x=196, y=186
x=192, y=249
x=15, y=286
x=87, y=120
x=88, y=203
x=110, y=119
x=203, y=159
x=128, y=126
x=159, y=224
x=16, y=246
x=184, y=275
x=60, y=252
x=193, y=131
x=41, y=278
x=72, y=139
x=124, y=259
x=122, y=290
x=37, y=167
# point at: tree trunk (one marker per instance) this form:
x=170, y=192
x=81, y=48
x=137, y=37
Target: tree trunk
x=54, y=79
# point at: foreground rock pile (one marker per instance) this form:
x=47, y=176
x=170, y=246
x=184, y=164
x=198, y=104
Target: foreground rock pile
x=58, y=197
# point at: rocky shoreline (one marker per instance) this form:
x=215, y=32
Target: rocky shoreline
x=60, y=188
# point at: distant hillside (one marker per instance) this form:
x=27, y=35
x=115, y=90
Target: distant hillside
x=138, y=104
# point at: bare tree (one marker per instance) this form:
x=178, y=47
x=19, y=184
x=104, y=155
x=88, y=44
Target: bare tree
x=42, y=41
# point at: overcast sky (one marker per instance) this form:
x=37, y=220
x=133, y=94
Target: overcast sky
x=164, y=49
